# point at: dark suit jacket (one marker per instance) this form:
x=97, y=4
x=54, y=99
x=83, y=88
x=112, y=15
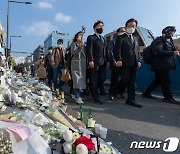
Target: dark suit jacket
x=96, y=50
x=126, y=51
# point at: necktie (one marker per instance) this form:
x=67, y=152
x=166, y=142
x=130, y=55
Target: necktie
x=131, y=38
x=101, y=39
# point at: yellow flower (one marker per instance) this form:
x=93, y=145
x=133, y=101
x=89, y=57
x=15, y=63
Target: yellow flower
x=101, y=149
x=76, y=135
x=73, y=140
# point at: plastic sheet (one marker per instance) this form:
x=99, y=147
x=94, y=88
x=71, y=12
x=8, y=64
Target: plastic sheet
x=35, y=144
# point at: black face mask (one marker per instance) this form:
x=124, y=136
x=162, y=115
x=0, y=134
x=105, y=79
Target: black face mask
x=168, y=36
x=99, y=30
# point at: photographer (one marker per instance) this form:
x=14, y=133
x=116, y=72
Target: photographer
x=163, y=51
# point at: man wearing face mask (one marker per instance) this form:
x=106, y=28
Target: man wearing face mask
x=115, y=71
x=57, y=64
x=48, y=66
x=128, y=58
x=163, y=51
x=97, y=60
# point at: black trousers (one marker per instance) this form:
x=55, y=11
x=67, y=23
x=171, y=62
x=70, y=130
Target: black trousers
x=115, y=75
x=128, y=78
x=88, y=78
x=97, y=79
x=161, y=78
x=50, y=76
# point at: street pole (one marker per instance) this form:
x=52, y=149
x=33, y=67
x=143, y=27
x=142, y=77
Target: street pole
x=7, y=39
x=11, y=42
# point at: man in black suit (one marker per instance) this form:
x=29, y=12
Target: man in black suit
x=97, y=54
x=115, y=71
x=128, y=58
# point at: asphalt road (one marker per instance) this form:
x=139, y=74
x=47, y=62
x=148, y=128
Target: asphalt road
x=156, y=121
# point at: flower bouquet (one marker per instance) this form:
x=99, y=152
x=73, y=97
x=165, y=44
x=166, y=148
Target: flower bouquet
x=76, y=143
x=104, y=149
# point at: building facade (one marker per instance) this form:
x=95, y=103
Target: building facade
x=2, y=35
x=28, y=59
x=18, y=60
x=37, y=53
x=51, y=40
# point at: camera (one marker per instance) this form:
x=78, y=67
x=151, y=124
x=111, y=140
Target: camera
x=83, y=29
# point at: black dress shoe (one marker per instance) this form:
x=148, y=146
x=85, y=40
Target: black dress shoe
x=117, y=96
x=171, y=101
x=103, y=94
x=122, y=96
x=149, y=96
x=97, y=100
x=110, y=96
x=133, y=103
x=85, y=93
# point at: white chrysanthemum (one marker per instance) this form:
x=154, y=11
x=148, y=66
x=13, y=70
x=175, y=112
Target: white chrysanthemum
x=40, y=131
x=81, y=149
x=68, y=136
x=67, y=148
x=108, y=150
x=104, y=149
x=100, y=152
x=103, y=152
x=76, y=136
x=112, y=152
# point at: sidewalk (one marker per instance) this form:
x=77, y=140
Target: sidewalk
x=156, y=121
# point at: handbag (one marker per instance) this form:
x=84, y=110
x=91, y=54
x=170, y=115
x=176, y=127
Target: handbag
x=65, y=75
x=35, y=74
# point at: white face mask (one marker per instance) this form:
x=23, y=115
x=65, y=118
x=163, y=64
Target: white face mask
x=121, y=33
x=130, y=30
x=60, y=46
x=50, y=51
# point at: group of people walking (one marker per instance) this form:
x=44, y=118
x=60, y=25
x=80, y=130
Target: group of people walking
x=87, y=63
